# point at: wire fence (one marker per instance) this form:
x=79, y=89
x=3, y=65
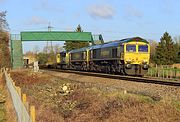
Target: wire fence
x=19, y=101
x=165, y=73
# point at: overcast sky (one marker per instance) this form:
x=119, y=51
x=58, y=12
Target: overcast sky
x=114, y=19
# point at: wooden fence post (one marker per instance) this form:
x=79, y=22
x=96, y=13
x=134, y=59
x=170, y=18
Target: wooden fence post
x=32, y=113
x=151, y=72
x=167, y=74
x=175, y=73
x=27, y=106
x=158, y=73
x=19, y=91
x=13, y=83
x=170, y=73
x=24, y=98
x=163, y=73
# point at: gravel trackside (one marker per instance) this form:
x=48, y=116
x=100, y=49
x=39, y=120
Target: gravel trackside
x=156, y=90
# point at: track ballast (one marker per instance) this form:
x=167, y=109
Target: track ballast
x=121, y=77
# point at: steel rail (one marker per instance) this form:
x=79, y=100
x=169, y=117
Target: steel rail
x=121, y=77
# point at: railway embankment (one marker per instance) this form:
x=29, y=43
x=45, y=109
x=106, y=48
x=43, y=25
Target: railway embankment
x=75, y=97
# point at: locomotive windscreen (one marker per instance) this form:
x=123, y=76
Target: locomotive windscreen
x=131, y=48
x=142, y=48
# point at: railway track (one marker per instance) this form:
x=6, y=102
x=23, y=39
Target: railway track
x=120, y=77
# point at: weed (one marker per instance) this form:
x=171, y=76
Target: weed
x=176, y=104
x=2, y=107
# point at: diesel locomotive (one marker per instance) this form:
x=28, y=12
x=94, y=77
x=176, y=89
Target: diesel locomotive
x=128, y=56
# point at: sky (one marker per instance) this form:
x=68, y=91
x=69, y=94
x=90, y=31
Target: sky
x=114, y=19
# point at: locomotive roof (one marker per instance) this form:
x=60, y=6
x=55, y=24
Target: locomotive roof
x=137, y=39
x=111, y=44
x=95, y=46
x=108, y=44
x=79, y=50
x=117, y=42
x=63, y=51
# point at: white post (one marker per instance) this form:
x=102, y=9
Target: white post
x=36, y=67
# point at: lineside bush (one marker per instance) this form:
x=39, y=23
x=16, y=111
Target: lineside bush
x=4, y=49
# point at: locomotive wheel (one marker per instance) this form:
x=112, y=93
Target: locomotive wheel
x=108, y=69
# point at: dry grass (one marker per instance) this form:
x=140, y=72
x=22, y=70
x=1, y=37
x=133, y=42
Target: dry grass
x=27, y=77
x=176, y=65
x=10, y=112
x=89, y=103
x=10, y=115
x=2, y=106
x=8, y=109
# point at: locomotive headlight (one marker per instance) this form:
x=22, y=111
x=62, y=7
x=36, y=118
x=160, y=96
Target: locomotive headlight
x=145, y=66
x=128, y=61
x=144, y=61
x=128, y=66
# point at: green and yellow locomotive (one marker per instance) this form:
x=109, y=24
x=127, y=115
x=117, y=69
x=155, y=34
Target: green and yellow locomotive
x=127, y=56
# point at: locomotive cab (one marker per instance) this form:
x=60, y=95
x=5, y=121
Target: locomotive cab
x=61, y=60
x=136, y=57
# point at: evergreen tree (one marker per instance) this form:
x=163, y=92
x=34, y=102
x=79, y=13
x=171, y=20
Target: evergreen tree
x=71, y=45
x=165, y=51
x=177, y=47
x=177, y=57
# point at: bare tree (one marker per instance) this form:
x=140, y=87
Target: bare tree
x=36, y=49
x=3, y=22
x=177, y=40
x=4, y=41
x=57, y=48
x=153, y=45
